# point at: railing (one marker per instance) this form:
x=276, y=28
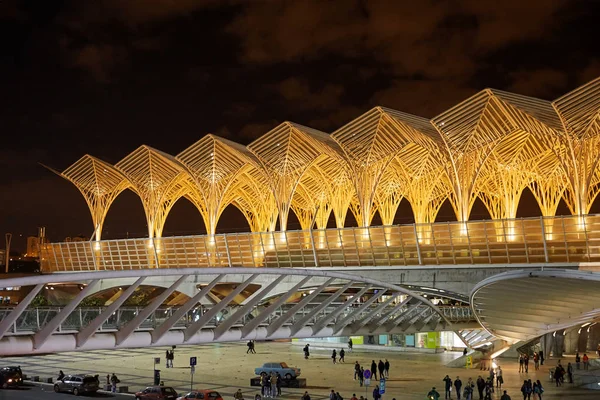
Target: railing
x=33, y=319
x=564, y=239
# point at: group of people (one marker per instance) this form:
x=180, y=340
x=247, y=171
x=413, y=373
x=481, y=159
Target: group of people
x=485, y=387
x=586, y=360
x=468, y=394
x=527, y=389
x=559, y=373
x=270, y=385
x=334, y=356
x=538, y=358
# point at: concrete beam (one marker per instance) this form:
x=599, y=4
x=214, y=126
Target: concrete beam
x=278, y=323
x=214, y=310
x=325, y=320
x=260, y=318
x=359, y=324
x=11, y=318
x=245, y=309
x=348, y=318
x=304, y=320
x=85, y=333
x=40, y=337
x=160, y=331
x=135, y=323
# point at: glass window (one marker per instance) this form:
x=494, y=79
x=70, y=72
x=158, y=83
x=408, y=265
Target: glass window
x=213, y=395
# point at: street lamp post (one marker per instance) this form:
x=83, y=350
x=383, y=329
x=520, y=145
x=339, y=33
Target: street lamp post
x=8, y=238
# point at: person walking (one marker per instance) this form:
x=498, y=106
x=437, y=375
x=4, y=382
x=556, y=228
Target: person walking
x=536, y=361
x=306, y=396
x=356, y=369
x=577, y=360
x=167, y=357
x=570, y=372
x=541, y=357
x=332, y=395
x=61, y=375
x=457, y=386
x=433, y=394
x=505, y=396
x=468, y=392
x=114, y=381
x=373, y=370
x=306, y=352
x=334, y=356
x=526, y=361
x=586, y=361
x=249, y=344
x=350, y=344
x=521, y=363
x=342, y=354
x=499, y=378
x=381, y=368
x=361, y=376
x=273, y=385
x=376, y=395
x=386, y=366
x=279, y=381
x=525, y=390
x=253, y=346
x=480, y=386
x=557, y=376
x=353, y=397
x=538, y=389
x=448, y=384
x=238, y=395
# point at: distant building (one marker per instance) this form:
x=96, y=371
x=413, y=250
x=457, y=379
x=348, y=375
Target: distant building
x=77, y=239
x=33, y=246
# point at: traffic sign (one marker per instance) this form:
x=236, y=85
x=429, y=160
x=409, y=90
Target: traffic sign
x=367, y=374
x=367, y=381
x=382, y=386
x=193, y=369
x=192, y=361
x=156, y=360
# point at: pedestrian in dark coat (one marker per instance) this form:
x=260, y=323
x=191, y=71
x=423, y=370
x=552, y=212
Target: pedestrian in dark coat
x=387, y=368
x=381, y=367
x=373, y=370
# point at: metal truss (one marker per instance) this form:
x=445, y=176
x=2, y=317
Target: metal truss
x=491, y=146
x=506, y=308
x=328, y=304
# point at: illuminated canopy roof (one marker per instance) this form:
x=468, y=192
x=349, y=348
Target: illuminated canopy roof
x=491, y=146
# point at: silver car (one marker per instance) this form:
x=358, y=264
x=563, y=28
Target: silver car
x=77, y=384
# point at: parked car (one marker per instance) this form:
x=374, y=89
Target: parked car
x=13, y=369
x=157, y=393
x=9, y=378
x=202, y=394
x=281, y=368
x=77, y=384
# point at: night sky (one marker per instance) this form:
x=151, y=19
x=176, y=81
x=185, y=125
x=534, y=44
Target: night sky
x=103, y=77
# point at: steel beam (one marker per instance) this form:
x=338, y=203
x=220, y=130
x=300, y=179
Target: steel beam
x=11, y=318
x=412, y=320
x=245, y=309
x=346, y=320
x=278, y=323
x=87, y=332
x=181, y=311
x=304, y=320
x=260, y=318
x=43, y=335
x=326, y=319
x=135, y=323
x=359, y=324
x=214, y=310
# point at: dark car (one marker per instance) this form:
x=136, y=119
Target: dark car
x=202, y=395
x=157, y=393
x=13, y=369
x=9, y=378
x=77, y=384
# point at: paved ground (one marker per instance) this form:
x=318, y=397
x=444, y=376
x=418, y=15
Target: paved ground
x=46, y=393
x=227, y=367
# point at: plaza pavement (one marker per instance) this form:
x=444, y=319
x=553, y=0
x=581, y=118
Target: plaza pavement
x=226, y=367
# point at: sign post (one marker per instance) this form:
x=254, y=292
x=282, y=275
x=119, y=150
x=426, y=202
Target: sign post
x=367, y=376
x=156, y=371
x=381, y=386
x=193, y=361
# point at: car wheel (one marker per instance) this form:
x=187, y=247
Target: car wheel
x=76, y=392
x=56, y=389
x=5, y=385
x=289, y=377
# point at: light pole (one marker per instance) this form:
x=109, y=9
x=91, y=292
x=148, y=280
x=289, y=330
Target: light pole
x=8, y=238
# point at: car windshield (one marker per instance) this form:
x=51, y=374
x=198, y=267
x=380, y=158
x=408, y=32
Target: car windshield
x=283, y=365
x=168, y=390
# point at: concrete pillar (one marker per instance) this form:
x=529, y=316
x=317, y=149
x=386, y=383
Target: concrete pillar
x=546, y=344
x=571, y=341
x=558, y=344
